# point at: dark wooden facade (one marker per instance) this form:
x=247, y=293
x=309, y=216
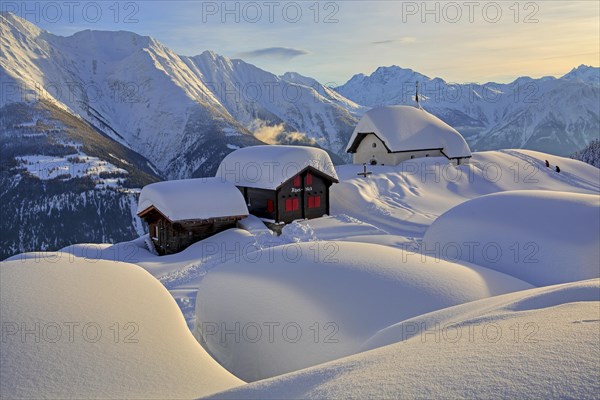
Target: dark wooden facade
x=171, y=237
x=305, y=195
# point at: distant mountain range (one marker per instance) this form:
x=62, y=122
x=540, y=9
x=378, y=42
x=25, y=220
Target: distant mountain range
x=138, y=113
x=553, y=115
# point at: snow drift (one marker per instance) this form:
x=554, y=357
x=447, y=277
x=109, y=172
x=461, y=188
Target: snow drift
x=180, y=273
x=293, y=306
x=75, y=328
x=541, y=237
x=538, y=343
x=406, y=199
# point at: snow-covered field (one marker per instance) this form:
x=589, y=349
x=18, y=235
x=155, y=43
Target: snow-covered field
x=525, y=235
x=354, y=305
x=538, y=343
x=72, y=328
x=298, y=305
x=406, y=199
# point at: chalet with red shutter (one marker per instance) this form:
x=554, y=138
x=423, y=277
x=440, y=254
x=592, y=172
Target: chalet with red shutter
x=281, y=183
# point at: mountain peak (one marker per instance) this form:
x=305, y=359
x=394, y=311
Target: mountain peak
x=113, y=35
x=584, y=73
x=392, y=70
x=299, y=78
x=19, y=24
x=369, y=89
x=12, y=16
x=394, y=73
x=393, y=67
x=209, y=53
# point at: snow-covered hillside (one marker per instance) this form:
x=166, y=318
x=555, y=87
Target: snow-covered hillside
x=393, y=207
x=289, y=108
x=132, y=88
x=537, y=236
x=352, y=305
x=75, y=329
x=330, y=298
x=63, y=182
x=538, y=343
x=557, y=116
x=182, y=113
x=405, y=199
x=590, y=155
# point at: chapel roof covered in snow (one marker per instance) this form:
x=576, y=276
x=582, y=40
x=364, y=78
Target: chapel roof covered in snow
x=193, y=199
x=406, y=128
x=268, y=167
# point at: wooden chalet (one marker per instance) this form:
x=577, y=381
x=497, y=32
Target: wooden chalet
x=281, y=183
x=180, y=213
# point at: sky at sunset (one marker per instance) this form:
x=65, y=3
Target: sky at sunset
x=332, y=40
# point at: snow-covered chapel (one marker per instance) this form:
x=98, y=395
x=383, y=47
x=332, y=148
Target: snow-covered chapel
x=392, y=134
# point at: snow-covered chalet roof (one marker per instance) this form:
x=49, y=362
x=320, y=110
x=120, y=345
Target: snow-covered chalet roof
x=268, y=167
x=191, y=199
x=406, y=128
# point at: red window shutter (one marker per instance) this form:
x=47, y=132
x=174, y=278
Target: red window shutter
x=295, y=204
x=311, y=201
x=317, y=201
x=288, y=204
x=309, y=179
x=270, y=206
x=297, y=181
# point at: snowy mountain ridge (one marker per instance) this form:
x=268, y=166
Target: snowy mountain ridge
x=182, y=113
x=160, y=104
x=131, y=88
x=554, y=115
x=256, y=98
x=584, y=73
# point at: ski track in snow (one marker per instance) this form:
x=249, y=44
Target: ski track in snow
x=565, y=176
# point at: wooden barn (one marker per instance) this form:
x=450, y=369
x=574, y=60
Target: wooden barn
x=180, y=213
x=281, y=183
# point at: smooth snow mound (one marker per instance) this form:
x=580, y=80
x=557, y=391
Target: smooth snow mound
x=541, y=237
x=75, y=328
x=535, y=344
x=406, y=128
x=298, y=305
